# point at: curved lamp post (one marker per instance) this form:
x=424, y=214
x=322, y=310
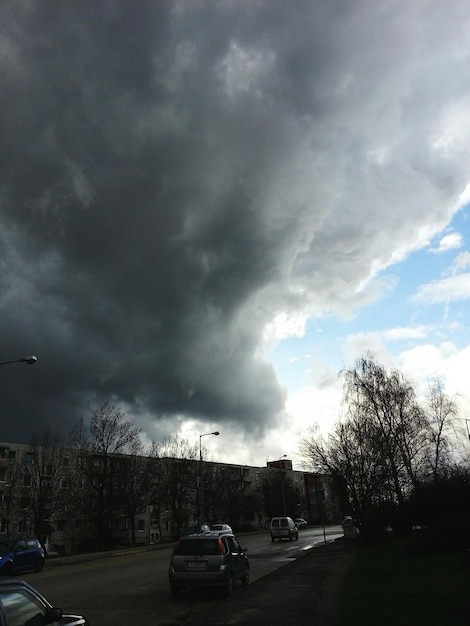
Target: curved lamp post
x=30, y=360
x=201, y=485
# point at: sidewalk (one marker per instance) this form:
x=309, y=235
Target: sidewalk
x=304, y=593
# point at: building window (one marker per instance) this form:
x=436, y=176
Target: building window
x=27, y=480
x=29, y=458
x=140, y=525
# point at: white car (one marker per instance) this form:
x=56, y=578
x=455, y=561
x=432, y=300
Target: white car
x=221, y=528
x=283, y=528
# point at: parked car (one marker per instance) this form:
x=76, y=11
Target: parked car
x=198, y=529
x=300, y=523
x=283, y=528
x=22, y=604
x=208, y=560
x=20, y=555
x=221, y=528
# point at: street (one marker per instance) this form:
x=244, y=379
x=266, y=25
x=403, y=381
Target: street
x=133, y=588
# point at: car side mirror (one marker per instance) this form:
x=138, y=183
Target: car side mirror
x=53, y=615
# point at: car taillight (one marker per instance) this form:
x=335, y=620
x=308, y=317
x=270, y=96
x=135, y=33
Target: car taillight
x=221, y=546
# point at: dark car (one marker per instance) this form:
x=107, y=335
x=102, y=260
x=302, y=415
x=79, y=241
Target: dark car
x=300, y=523
x=20, y=555
x=208, y=560
x=22, y=604
x=198, y=529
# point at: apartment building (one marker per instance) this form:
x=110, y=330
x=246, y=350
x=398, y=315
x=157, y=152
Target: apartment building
x=77, y=501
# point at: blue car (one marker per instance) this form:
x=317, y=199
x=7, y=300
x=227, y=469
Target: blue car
x=20, y=555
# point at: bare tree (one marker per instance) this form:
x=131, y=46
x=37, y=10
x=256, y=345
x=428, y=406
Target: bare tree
x=101, y=445
x=136, y=481
x=378, y=453
x=386, y=402
x=442, y=414
x=177, y=466
x=45, y=479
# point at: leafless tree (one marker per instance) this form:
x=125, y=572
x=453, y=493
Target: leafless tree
x=177, y=467
x=45, y=476
x=136, y=482
x=100, y=445
x=442, y=415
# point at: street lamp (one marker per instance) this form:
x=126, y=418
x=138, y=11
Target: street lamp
x=282, y=484
x=30, y=360
x=201, y=485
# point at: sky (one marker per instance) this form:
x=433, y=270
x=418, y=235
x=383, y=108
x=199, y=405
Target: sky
x=209, y=209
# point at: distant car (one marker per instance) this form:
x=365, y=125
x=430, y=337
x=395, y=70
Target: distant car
x=22, y=604
x=300, y=523
x=283, y=528
x=221, y=528
x=198, y=529
x=20, y=555
x=208, y=560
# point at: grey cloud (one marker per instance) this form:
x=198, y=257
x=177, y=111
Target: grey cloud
x=176, y=174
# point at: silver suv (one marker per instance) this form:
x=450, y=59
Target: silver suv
x=208, y=560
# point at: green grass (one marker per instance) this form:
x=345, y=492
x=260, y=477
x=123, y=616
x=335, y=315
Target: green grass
x=389, y=586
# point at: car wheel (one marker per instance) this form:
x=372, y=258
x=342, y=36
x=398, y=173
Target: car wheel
x=229, y=586
x=175, y=592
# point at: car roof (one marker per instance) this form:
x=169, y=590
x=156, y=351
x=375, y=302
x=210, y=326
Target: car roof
x=211, y=535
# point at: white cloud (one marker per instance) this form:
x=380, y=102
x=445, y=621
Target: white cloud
x=448, y=242
x=454, y=288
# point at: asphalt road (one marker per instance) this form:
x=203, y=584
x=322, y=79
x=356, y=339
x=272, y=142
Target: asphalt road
x=133, y=587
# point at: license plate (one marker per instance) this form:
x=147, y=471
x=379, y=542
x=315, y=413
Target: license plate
x=196, y=565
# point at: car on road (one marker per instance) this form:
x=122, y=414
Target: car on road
x=208, y=560
x=300, y=523
x=221, y=528
x=198, y=529
x=22, y=604
x=20, y=555
x=283, y=528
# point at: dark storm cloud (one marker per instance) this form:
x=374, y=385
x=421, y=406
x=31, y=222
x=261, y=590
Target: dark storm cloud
x=174, y=175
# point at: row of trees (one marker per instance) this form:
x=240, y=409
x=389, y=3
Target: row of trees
x=94, y=486
x=394, y=460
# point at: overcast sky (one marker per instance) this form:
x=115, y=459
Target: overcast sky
x=208, y=209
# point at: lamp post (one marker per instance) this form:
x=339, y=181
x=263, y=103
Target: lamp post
x=30, y=360
x=282, y=484
x=201, y=485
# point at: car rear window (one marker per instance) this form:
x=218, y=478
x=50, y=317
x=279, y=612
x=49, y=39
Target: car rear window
x=191, y=547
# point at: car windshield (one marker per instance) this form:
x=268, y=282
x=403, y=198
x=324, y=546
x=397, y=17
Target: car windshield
x=207, y=547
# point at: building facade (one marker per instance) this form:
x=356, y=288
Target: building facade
x=77, y=501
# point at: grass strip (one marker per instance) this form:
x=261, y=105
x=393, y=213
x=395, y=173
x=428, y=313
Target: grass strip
x=388, y=585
